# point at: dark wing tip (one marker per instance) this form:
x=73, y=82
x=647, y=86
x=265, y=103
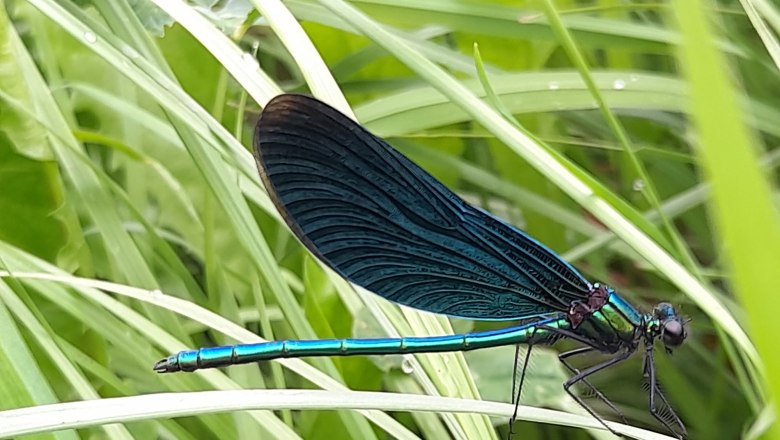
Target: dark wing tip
x=276, y=110
x=288, y=100
x=292, y=106
x=291, y=98
x=286, y=103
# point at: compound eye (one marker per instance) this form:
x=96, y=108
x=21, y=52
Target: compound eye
x=674, y=333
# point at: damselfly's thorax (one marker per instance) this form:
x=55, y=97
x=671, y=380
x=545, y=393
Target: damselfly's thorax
x=606, y=319
x=580, y=310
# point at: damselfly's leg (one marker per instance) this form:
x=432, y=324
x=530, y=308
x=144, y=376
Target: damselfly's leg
x=582, y=375
x=582, y=350
x=666, y=415
x=516, y=394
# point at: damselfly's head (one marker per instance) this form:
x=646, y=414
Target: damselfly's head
x=671, y=325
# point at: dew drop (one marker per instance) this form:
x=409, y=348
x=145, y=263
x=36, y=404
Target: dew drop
x=619, y=84
x=90, y=37
x=528, y=18
x=638, y=185
x=553, y=85
x=130, y=52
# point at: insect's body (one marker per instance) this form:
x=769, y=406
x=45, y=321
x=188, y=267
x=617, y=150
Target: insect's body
x=248, y=353
x=382, y=222
x=606, y=322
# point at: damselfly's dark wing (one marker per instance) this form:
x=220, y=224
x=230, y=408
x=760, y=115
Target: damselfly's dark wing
x=382, y=222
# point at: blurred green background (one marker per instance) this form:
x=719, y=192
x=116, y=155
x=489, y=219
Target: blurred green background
x=124, y=158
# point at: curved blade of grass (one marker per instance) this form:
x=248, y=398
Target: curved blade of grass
x=81, y=414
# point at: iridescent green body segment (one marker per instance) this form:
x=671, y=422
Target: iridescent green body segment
x=248, y=353
x=382, y=222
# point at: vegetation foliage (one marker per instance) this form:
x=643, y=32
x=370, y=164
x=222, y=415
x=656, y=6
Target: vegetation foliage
x=638, y=139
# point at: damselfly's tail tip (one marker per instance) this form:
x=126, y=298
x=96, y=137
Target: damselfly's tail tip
x=167, y=365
